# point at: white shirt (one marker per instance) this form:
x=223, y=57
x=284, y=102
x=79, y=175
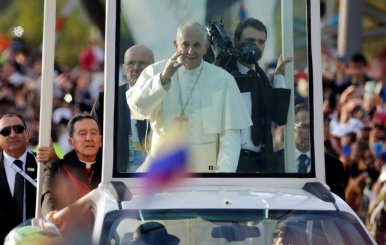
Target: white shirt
x=134, y=130
x=9, y=171
x=245, y=135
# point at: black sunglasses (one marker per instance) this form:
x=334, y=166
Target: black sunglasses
x=18, y=128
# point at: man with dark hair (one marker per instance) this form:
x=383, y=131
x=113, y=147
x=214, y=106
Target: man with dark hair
x=153, y=233
x=79, y=172
x=18, y=170
x=333, y=166
x=266, y=102
x=302, y=139
x=357, y=75
x=250, y=23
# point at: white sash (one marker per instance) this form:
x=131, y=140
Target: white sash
x=24, y=174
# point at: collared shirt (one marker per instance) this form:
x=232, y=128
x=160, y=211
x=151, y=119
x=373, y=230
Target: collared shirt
x=9, y=171
x=297, y=155
x=245, y=136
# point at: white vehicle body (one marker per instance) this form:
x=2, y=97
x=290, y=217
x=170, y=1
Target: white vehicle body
x=335, y=223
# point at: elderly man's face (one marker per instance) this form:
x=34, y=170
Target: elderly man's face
x=192, y=46
x=86, y=139
x=137, y=59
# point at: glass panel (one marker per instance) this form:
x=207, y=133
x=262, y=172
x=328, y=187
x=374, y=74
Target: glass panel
x=205, y=103
x=232, y=227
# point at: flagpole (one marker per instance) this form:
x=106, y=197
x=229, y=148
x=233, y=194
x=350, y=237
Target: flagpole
x=108, y=132
x=45, y=118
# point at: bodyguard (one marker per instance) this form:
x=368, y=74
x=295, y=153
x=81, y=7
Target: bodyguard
x=18, y=170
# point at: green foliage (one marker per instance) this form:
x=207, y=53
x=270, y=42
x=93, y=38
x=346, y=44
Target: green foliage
x=73, y=38
x=29, y=15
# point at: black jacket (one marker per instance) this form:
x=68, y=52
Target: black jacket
x=122, y=128
x=58, y=189
x=9, y=215
x=273, y=103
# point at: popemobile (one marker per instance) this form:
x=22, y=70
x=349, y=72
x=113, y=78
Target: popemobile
x=170, y=204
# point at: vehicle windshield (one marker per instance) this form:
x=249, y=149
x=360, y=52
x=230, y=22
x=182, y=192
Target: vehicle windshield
x=229, y=226
x=282, y=143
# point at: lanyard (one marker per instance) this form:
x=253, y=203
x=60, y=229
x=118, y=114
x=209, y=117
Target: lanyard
x=22, y=173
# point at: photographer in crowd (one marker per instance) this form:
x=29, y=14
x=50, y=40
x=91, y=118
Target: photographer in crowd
x=258, y=92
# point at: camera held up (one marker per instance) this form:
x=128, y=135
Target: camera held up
x=223, y=51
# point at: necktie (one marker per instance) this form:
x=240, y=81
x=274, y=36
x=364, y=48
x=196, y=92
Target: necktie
x=19, y=188
x=303, y=163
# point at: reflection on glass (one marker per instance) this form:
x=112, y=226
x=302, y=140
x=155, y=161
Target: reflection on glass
x=302, y=139
x=232, y=227
x=271, y=100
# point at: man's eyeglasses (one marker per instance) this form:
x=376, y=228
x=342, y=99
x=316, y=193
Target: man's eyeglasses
x=302, y=125
x=132, y=64
x=18, y=128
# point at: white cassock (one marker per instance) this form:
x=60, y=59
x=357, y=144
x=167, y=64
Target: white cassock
x=212, y=103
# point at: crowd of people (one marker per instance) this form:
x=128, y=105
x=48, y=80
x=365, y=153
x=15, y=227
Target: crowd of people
x=354, y=122
x=75, y=89
x=354, y=117
x=74, y=137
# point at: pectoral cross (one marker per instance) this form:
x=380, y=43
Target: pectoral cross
x=182, y=119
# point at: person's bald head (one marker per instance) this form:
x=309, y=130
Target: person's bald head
x=136, y=58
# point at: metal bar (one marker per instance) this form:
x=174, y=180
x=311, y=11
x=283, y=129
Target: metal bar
x=45, y=117
x=288, y=51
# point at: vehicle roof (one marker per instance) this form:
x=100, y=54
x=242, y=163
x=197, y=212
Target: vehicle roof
x=227, y=197
x=230, y=197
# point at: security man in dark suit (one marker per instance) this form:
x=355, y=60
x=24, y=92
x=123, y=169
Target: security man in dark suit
x=18, y=170
x=333, y=166
x=136, y=58
x=267, y=101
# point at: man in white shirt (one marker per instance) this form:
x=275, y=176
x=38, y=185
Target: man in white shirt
x=18, y=170
x=184, y=91
x=266, y=103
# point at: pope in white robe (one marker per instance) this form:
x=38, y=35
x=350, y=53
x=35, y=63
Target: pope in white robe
x=187, y=92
